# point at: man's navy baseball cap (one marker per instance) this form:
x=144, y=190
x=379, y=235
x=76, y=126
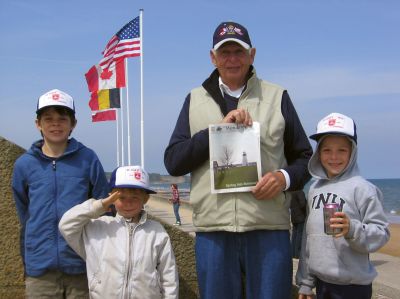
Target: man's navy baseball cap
x=231, y=31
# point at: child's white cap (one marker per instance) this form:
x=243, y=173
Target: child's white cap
x=54, y=98
x=338, y=124
x=133, y=177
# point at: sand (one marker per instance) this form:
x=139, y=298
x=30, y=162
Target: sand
x=393, y=246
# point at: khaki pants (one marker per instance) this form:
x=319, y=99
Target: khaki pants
x=55, y=284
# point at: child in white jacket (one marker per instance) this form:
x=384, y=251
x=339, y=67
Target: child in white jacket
x=127, y=256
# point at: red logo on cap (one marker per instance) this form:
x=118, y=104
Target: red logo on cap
x=55, y=96
x=138, y=175
x=332, y=122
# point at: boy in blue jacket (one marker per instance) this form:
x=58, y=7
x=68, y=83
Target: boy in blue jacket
x=55, y=174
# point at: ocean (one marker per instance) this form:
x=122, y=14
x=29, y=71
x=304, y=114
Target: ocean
x=389, y=187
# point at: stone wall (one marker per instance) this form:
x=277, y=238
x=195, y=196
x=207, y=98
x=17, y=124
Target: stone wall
x=11, y=269
x=183, y=245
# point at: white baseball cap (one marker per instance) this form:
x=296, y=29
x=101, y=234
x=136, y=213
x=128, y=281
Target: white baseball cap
x=338, y=124
x=54, y=98
x=133, y=177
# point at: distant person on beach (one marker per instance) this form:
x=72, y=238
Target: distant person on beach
x=55, y=174
x=337, y=264
x=248, y=232
x=298, y=213
x=176, y=202
x=129, y=255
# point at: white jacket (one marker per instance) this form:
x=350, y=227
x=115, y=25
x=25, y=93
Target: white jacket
x=122, y=260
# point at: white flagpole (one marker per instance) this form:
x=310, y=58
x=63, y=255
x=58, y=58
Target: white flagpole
x=128, y=113
x=141, y=89
x=122, y=132
x=117, y=123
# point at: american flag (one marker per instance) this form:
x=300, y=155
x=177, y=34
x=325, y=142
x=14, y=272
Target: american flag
x=126, y=43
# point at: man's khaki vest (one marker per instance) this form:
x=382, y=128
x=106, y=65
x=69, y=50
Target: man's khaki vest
x=240, y=212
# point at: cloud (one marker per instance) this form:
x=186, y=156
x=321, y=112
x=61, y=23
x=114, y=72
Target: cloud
x=319, y=83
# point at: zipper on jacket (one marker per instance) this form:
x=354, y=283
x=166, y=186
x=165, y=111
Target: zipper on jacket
x=236, y=214
x=57, y=234
x=128, y=272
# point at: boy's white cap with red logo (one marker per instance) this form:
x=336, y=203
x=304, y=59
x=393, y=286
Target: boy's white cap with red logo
x=338, y=124
x=54, y=98
x=133, y=177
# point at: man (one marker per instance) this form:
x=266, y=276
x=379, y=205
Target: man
x=241, y=233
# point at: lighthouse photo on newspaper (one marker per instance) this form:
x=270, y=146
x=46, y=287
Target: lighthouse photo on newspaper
x=235, y=163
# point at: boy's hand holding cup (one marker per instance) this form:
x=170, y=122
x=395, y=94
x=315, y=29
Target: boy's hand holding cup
x=342, y=222
x=336, y=222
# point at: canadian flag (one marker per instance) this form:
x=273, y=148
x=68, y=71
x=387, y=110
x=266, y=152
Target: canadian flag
x=112, y=77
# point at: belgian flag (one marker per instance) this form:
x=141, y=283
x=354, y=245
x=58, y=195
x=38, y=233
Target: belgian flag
x=105, y=99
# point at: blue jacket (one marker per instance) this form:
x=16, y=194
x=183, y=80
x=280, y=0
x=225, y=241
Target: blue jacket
x=44, y=189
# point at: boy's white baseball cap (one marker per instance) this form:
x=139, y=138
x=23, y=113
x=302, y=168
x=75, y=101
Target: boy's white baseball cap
x=54, y=98
x=338, y=124
x=133, y=177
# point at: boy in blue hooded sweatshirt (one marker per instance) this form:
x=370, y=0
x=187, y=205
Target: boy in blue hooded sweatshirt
x=338, y=266
x=54, y=175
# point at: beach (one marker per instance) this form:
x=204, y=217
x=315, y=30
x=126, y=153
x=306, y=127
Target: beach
x=393, y=246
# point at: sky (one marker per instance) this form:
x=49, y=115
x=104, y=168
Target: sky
x=331, y=56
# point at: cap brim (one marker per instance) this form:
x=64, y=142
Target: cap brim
x=148, y=190
x=316, y=137
x=242, y=43
x=49, y=106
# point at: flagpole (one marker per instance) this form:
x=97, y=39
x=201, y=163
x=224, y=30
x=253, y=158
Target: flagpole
x=122, y=133
x=141, y=89
x=128, y=113
x=117, y=123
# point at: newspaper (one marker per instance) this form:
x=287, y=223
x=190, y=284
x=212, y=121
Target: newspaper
x=235, y=161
